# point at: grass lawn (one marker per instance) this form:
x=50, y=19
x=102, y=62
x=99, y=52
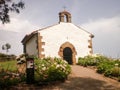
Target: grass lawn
x=9, y=65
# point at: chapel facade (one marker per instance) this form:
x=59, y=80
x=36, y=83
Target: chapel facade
x=64, y=40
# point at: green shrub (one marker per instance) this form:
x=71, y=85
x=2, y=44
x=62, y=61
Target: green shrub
x=117, y=62
x=9, y=75
x=9, y=78
x=101, y=68
x=104, y=65
x=51, y=69
x=82, y=62
x=88, y=61
x=108, y=72
x=116, y=71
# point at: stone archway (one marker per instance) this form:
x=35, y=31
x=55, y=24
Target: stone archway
x=62, y=51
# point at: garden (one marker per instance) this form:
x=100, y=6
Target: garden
x=46, y=70
x=107, y=66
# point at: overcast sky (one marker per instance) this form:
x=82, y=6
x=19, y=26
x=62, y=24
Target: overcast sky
x=100, y=17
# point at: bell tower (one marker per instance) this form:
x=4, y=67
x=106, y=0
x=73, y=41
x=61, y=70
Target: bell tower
x=65, y=16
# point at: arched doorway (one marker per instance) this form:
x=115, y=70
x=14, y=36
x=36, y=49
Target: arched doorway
x=68, y=50
x=67, y=55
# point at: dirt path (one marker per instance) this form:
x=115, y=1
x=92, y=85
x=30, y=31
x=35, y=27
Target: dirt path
x=81, y=79
x=87, y=79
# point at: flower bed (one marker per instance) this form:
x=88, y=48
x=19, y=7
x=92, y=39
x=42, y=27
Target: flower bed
x=51, y=69
x=46, y=70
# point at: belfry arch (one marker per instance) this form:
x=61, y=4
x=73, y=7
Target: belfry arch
x=71, y=49
x=64, y=15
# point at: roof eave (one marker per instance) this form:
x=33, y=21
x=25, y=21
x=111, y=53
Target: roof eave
x=28, y=37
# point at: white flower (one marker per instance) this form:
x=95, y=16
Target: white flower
x=116, y=64
x=65, y=61
x=55, y=63
x=43, y=65
x=44, y=68
x=58, y=66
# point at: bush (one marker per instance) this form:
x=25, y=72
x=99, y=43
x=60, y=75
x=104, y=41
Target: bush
x=104, y=65
x=88, y=61
x=108, y=73
x=116, y=71
x=51, y=69
x=9, y=74
x=9, y=78
x=82, y=62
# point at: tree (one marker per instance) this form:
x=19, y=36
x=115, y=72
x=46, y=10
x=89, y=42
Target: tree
x=6, y=47
x=7, y=6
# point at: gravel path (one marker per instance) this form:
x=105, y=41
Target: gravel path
x=81, y=79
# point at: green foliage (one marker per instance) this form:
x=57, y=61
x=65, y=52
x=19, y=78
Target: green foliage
x=88, y=61
x=116, y=71
x=9, y=75
x=51, y=69
x=7, y=6
x=8, y=78
x=108, y=73
x=104, y=65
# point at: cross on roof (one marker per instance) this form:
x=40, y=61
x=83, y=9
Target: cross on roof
x=64, y=7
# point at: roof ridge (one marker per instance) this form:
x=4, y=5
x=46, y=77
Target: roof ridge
x=47, y=27
x=84, y=30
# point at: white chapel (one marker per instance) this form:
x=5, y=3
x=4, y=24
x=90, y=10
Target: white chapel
x=63, y=40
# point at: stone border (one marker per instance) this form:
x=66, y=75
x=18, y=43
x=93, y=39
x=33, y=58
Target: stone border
x=67, y=44
x=40, y=44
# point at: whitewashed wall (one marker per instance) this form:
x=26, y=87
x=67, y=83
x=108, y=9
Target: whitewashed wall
x=31, y=46
x=58, y=34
